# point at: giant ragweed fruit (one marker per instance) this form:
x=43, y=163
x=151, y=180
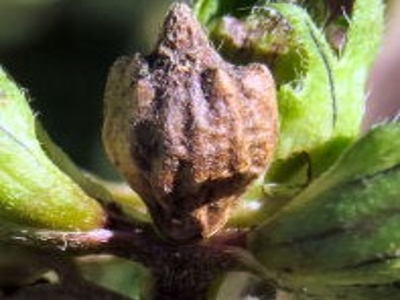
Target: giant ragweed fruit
x=188, y=130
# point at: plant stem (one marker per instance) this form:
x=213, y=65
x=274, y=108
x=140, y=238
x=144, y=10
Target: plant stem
x=179, y=271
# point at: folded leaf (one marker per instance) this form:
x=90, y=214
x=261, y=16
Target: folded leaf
x=34, y=191
x=321, y=109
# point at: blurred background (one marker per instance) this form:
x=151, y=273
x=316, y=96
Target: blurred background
x=384, y=84
x=60, y=51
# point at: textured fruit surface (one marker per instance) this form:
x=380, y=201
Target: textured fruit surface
x=188, y=130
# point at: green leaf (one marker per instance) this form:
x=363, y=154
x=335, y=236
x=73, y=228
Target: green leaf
x=34, y=191
x=106, y=192
x=341, y=232
x=322, y=109
x=307, y=105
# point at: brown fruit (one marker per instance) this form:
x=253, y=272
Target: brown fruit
x=188, y=130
